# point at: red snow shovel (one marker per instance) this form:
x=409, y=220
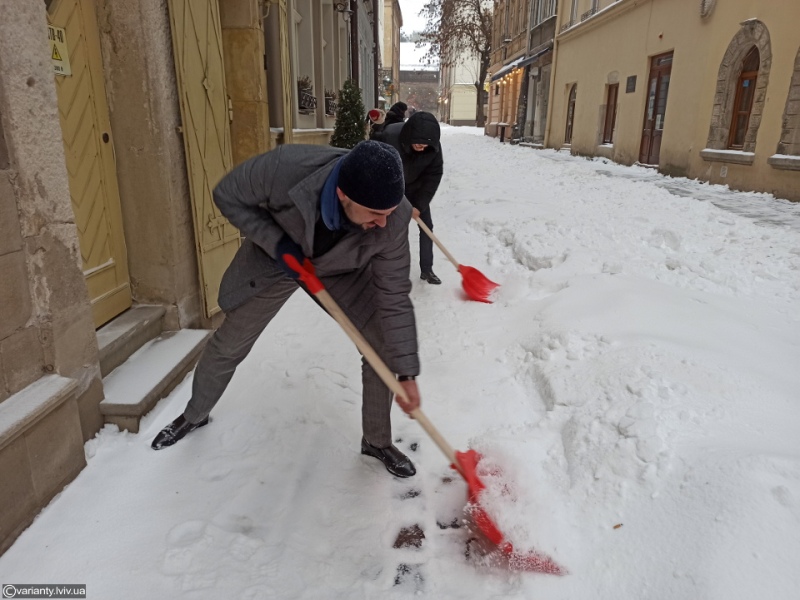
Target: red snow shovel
x=476, y=285
x=464, y=462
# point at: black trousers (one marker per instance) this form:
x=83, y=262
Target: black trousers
x=425, y=243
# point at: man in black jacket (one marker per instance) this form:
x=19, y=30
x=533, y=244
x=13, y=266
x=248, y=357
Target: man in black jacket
x=417, y=140
x=396, y=114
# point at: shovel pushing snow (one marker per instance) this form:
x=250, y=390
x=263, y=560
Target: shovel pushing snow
x=464, y=462
x=476, y=285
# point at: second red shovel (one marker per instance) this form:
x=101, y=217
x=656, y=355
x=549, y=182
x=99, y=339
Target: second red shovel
x=476, y=285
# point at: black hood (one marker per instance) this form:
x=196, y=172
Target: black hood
x=421, y=128
x=399, y=109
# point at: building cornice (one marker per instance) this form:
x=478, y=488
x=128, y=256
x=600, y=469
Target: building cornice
x=600, y=18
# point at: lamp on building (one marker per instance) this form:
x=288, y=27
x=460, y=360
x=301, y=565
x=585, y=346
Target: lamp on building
x=343, y=6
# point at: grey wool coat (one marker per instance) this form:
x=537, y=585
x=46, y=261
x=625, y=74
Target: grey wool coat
x=367, y=270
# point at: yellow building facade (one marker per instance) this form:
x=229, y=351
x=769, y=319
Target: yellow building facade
x=390, y=57
x=695, y=88
x=509, y=44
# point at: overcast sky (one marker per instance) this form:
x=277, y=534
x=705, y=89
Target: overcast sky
x=411, y=19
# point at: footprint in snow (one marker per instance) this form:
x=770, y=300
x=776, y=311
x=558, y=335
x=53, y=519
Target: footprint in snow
x=410, y=577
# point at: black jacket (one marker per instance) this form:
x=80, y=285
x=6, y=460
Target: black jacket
x=396, y=114
x=422, y=170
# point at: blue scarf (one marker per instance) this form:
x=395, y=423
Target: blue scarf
x=330, y=207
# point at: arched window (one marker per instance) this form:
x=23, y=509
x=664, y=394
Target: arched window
x=743, y=102
x=741, y=92
x=570, y=114
x=790, y=135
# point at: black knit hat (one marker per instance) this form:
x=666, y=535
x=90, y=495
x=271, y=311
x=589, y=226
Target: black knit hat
x=372, y=175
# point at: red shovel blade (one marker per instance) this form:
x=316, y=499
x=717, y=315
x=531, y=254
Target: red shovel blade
x=517, y=561
x=476, y=285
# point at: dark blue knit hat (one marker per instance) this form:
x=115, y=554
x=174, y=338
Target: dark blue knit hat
x=372, y=175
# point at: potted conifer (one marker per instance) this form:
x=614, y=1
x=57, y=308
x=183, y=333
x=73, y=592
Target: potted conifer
x=350, y=125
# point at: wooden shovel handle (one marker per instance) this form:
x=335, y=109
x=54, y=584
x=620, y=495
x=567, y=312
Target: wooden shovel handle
x=382, y=370
x=436, y=241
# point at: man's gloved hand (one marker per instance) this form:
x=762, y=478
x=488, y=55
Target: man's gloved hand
x=288, y=247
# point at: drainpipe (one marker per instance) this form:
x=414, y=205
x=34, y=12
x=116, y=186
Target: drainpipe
x=354, y=42
x=286, y=72
x=377, y=59
x=551, y=95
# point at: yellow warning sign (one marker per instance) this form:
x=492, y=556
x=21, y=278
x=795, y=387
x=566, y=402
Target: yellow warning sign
x=58, y=50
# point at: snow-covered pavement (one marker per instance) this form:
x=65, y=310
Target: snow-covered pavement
x=633, y=389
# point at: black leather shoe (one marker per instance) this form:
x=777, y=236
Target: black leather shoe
x=395, y=461
x=174, y=432
x=431, y=277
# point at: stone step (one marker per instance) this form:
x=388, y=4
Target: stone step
x=123, y=336
x=41, y=450
x=151, y=373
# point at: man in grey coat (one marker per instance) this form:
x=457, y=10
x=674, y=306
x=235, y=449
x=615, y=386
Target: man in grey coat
x=345, y=210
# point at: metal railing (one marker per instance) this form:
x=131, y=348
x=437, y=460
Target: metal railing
x=588, y=14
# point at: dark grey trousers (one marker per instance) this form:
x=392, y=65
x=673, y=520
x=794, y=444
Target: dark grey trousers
x=232, y=342
x=425, y=243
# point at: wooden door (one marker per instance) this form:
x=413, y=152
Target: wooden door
x=655, y=111
x=205, y=112
x=88, y=147
x=610, y=121
x=573, y=97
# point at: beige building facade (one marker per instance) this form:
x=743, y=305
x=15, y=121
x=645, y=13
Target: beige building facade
x=390, y=57
x=701, y=89
x=506, y=79
x=117, y=119
x=113, y=131
x=459, y=94
x=519, y=79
